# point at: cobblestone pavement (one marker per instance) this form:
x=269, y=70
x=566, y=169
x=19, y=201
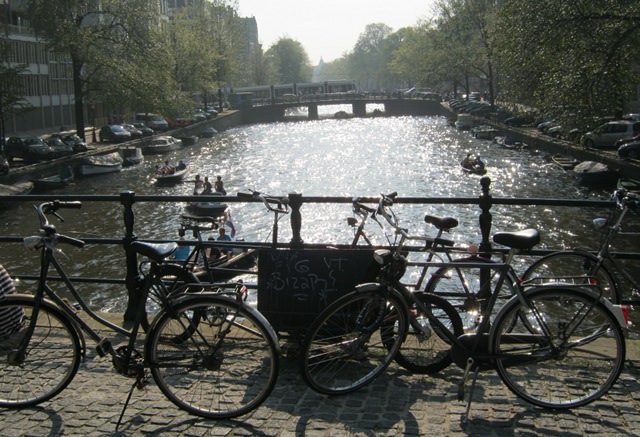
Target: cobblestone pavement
x=397, y=403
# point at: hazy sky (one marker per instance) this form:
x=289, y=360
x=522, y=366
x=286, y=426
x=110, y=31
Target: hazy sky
x=329, y=28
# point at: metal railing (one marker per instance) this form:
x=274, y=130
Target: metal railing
x=128, y=199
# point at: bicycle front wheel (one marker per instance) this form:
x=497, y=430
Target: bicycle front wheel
x=427, y=349
x=226, y=368
x=573, y=268
x=48, y=363
x=353, y=340
x=562, y=349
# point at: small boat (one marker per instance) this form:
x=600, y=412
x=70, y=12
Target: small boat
x=61, y=180
x=485, y=133
x=509, y=142
x=208, y=132
x=100, y=164
x=131, y=155
x=595, y=173
x=210, y=209
x=172, y=178
x=629, y=184
x=189, y=141
x=564, y=162
x=161, y=144
x=474, y=169
x=17, y=189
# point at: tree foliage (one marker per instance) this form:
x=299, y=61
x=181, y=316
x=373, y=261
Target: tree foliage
x=290, y=61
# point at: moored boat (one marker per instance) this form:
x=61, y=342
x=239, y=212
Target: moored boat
x=19, y=188
x=64, y=178
x=208, y=208
x=131, y=155
x=629, y=184
x=100, y=164
x=595, y=173
x=564, y=162
x=464, y=122
x=208, y=132
x=160, y=145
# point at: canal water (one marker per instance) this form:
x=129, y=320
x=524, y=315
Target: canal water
x=414, y=156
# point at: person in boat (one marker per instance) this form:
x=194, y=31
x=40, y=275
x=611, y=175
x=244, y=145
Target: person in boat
x=208, y=189
x=167, y=169
x=199, y=185
x=182, y=252
x=181, y=166
x=222, y=236
x=467, y=162
x=478, y=163
x=219, y=186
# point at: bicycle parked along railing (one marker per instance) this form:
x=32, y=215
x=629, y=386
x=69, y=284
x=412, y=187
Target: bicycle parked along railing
x=209, y=354
x=582, y=266
x=557, y=346
x=461, y=287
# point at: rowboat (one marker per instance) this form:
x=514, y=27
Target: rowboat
x=161, y=144
x=172, y=178
x=61, y=180
x=564, y=162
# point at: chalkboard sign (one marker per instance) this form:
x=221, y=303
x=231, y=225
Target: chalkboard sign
x=295, y=285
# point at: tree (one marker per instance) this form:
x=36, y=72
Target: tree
x=11, y=86
x=290, y=61
x=95, y=34
x=367, y=58
x=569, y=59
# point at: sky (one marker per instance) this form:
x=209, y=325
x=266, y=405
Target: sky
x=329, y=28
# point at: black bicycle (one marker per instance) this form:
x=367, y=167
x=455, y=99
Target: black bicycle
x=221, y=364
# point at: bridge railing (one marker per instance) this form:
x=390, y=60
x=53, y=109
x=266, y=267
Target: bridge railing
x=128, y=199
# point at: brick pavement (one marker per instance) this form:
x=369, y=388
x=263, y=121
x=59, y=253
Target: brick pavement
x=397, y=403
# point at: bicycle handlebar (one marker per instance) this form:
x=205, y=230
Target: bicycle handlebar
x=51, y=208
x=625, y=198
x=282, y=203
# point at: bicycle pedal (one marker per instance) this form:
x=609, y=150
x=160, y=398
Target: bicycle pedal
x=104, y=347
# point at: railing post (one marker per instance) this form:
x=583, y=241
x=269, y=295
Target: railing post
x=295, y=202
x=127, y=199
x=485, y=216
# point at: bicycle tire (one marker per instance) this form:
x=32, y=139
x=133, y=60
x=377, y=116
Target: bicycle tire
x=173, y=278
x=575, y=364
x=429, y=351
x=345, y=347
x=227, y=368
x=52, y=357
x=460, y=285
x=568, y=267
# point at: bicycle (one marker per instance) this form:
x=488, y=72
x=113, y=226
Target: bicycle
x=559, y=346
x=581, y=266
x=209, y=354
x=279, y=206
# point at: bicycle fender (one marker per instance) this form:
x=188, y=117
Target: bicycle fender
x=233, y=302
x=616, y=310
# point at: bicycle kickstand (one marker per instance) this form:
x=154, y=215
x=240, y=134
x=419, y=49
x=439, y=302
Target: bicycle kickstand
x=140, y=383
x=467, y=370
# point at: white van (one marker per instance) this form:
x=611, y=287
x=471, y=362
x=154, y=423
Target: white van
x=153, y=121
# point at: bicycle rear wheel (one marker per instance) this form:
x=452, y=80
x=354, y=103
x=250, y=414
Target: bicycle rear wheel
x=51, y=358
x=426, y=349
x=226, y=368
x=572, y=356
x=573, y=267
x=353, y=340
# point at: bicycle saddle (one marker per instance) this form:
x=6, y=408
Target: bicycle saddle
x=442, y=223
x=157, y=252
x=525, y=239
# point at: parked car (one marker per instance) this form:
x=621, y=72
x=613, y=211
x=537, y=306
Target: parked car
x=632, y=117
x=114, y=133
x=212, y=113
x=517, y=121
x=607, y=134
x=60, y=148
x=29, y=149
x=134, y=131
x=630, y=150
x=73, y=140
x=626, y=140
x=146, y=131
x=154, y=121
